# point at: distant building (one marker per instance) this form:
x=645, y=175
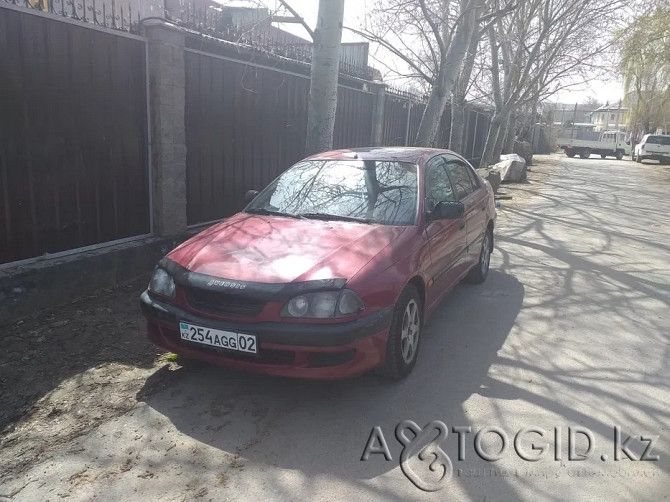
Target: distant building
x=609, y=117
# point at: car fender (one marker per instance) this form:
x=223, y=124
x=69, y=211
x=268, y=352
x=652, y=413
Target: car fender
x=381, y=281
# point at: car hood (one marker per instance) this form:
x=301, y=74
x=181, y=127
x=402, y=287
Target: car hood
x=274, y=249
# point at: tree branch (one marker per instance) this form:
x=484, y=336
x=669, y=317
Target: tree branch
x=298, y=17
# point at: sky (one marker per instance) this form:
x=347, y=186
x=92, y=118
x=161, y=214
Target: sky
x=355, y=16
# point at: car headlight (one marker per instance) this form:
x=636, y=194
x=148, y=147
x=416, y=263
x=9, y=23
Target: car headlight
x=161, y=283
x=323, y=305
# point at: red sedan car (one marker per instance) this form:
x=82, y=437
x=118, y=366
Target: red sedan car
x=330, y=271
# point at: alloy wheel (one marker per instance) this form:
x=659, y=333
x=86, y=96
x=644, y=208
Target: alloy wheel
x=409, y=335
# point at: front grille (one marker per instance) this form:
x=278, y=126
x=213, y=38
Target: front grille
x=224, y=304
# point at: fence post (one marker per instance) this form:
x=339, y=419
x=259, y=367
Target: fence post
x=475, y=135
x=409, y=120
x=379, y=97
x=167, y=84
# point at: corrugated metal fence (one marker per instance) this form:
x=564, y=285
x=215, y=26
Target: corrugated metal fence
x=74, y=159
x=73, y=147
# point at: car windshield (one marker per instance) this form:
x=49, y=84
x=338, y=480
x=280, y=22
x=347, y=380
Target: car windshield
x=368, y=191
x=659, y=140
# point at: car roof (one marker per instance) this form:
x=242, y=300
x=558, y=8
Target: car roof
x=415, y=155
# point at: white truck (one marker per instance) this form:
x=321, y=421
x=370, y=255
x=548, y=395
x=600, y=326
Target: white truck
x=607, y=143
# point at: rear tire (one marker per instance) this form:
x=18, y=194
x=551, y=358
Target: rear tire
x=619, y=154
x=479, y=272
x=638, y=159
x=570, y=153
x=585, y=153
x=404, y=339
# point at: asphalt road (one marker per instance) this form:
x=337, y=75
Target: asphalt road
x=571, y=330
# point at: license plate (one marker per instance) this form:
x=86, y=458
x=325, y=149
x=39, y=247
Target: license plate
x=229, y=340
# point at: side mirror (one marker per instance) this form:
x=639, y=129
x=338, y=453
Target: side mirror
x=447, y=211
x=628, y=142
x=250, y=195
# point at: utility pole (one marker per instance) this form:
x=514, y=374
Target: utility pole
x=616, y=126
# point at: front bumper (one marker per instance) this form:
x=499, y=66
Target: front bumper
x=312, y=351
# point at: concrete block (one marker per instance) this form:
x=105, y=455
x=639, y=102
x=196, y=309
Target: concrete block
x=492, y=175
x=502, y=167
x=525, y=149
x=517, y=167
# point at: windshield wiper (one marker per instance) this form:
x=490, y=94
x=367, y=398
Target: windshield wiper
x=271, y=212
x=337, y=217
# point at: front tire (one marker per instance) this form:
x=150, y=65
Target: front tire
x=478, y=273
x=570, y=153
x=619, y=154
x=402, y=347
x=584, y=153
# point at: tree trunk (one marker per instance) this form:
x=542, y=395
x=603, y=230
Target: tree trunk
x=458, y=97
x=324, y=74
x=511, y=135
x=449, y=67
x=457, y=129
x=501, y=138
x=491, y=138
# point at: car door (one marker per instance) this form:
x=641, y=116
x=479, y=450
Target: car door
x=471, y=192
x=446, y=238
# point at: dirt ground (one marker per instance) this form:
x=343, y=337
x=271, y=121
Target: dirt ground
x=66, y=370
x=69, y=369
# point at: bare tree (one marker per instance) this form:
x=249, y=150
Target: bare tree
x=325, y=69
x=451, y=54
x=324, y=75
x=543, y=47
x=459, y=95
x=431, y=38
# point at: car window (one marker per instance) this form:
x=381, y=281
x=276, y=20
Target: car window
x=438, y=185
x=377, y=191
x=659, y=140
x=460, y=178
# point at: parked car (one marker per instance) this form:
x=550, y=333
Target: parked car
x=653, y=146
x=612, y=143
x=330, y=271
